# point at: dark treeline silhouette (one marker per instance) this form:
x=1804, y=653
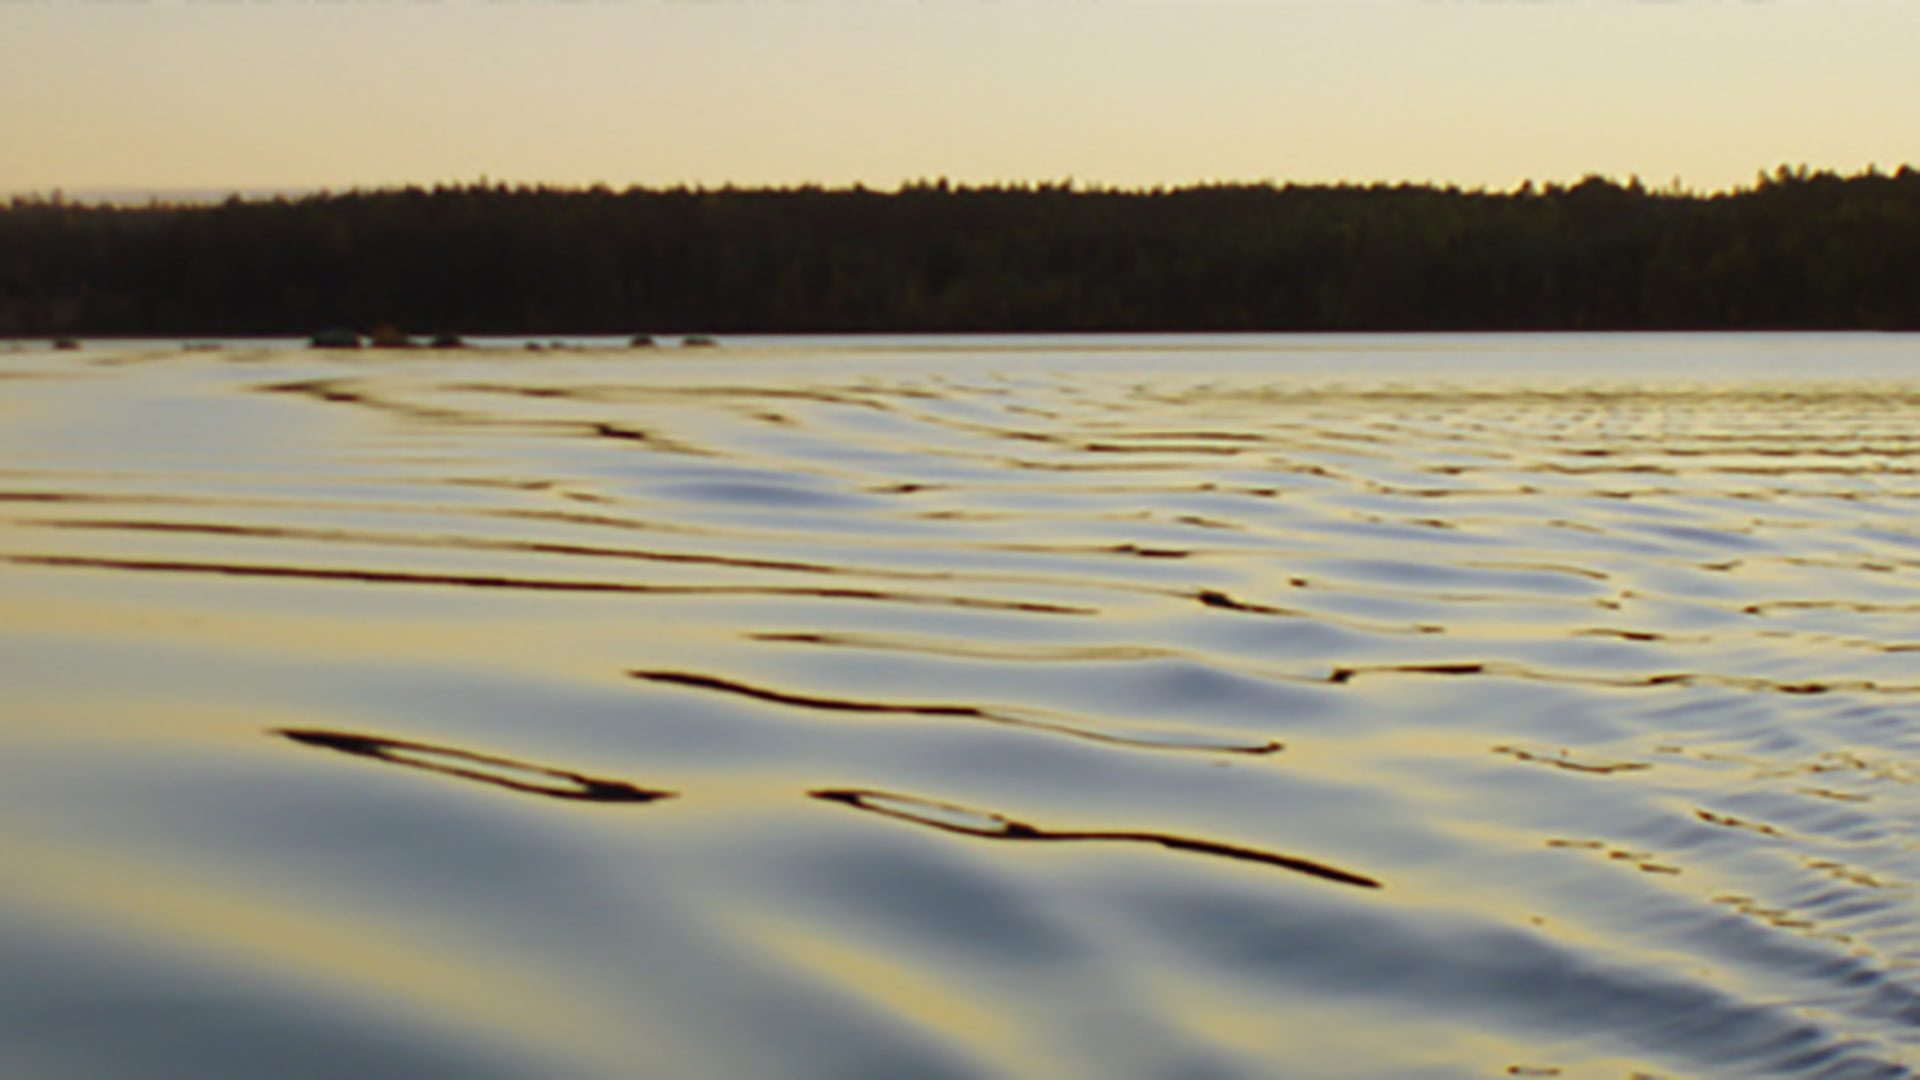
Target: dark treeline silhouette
x=1799, y=249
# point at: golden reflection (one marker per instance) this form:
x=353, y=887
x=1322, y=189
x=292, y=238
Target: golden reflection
x=408, y=965
x=888, y=982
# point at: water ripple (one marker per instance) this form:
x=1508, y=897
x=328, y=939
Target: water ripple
x=481, y=768
x=1596, y=656
x=991, y=826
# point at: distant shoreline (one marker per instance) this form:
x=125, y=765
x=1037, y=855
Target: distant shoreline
x=972, y=341
x=1799, y=251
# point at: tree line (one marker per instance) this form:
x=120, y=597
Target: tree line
x=1797, y=250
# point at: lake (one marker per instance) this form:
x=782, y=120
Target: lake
x=963, y=706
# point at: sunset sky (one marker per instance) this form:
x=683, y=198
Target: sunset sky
x=195, y=94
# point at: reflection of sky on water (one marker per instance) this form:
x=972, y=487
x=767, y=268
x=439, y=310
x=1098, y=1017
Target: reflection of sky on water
x=1595, y=656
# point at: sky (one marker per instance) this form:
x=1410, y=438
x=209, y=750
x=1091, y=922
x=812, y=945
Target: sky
x=176, y=95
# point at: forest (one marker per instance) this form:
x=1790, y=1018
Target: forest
x=1798, y=249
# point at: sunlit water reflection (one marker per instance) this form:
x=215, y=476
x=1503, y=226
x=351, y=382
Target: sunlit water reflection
x=1144, y=707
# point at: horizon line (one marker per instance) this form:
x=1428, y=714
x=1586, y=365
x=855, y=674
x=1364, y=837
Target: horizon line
x=183, y=196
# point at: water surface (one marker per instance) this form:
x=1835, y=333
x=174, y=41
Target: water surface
x=1453, y=706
